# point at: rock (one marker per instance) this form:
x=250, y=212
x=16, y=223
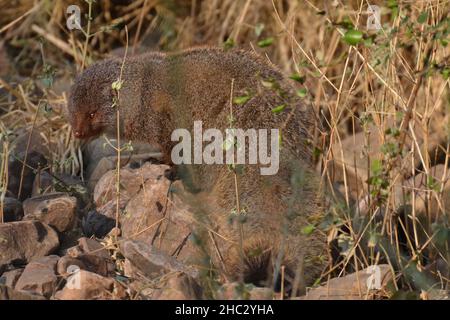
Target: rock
x=65, y=265
x=93, y=247
x=10, y=278
x=115, y=232
x=178, y=286
x=426, y=190
x=26, y=240
x=95, y=257
x=39, y=277
x=85, y=285
x=96, y=224
x=232, y=291
x=57, y=210
x=34, y=161
x=101, y=157
x=354, y=151
x=12, y=210
x=44, y=183
x=150, y=261
x=166, y=223
x=131, y=181
x=109, y=209
x=364, y=284
x=7, y=293
x=36, y=155
x=74, y=251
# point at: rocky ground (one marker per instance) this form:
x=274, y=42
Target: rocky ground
x=59, y=239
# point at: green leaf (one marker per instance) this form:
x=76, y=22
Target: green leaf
x=353, y=37
x=229, y=43
x=423, y=17
x=446, y=73
x=241, y=100
x=278, y=109
x=376, y=167
x=259, y=29
x=298, y=78
x=265, y=42
x=307, y=230
x=302, y=92
x=117, y=85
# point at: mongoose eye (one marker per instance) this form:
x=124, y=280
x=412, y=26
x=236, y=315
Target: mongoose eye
x=91, y=115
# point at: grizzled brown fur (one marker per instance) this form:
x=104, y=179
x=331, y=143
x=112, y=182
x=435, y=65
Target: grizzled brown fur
x=163, y=92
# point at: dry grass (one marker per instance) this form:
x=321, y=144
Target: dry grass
x=382, y=106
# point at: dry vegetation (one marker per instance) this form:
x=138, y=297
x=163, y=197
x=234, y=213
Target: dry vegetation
x=382, y=105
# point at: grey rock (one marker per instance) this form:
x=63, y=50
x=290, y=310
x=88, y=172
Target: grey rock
x=36, y=158
x=96, y=224
x=39, y=277
x=10, y=278
x=64, y=264
x=85, y=285
x=354, y=286
x=12, y=210
x=26, y=240
x=57, y=210
x=153, y=218
x=151, y=261
x=177, y=286
x=8, y=293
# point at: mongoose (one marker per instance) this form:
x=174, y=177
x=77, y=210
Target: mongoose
x=162, y=92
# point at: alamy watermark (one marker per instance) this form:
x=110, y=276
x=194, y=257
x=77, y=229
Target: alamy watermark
x=74, y=19
x=74, y=278
x=232, y=148
x=374, y=18
x=374, y=280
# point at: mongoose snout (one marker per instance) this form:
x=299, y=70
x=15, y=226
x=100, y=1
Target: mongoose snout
x=164, y=92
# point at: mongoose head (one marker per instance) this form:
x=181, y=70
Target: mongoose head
x=91, y=100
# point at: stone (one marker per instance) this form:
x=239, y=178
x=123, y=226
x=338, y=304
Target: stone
x=36, y=158
x=178, y=286
x=156, y=216
x=95, y=257
x=361, y=285
x=9, y=278
x=22, y=241
x=44, y=182
x=8, y=293
x=131, y=181
x=353, y=153
x=109, y=209
x=39, y=276
x=12, y=210
x=152, y=262
x=58, y=210
x=74, y=251
x=426, y=190
x=85, y=285
x=97, y=224
x=231, y=291
x=66, y=263
x=94, y=247
x=34, y=161
x=101, y=157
